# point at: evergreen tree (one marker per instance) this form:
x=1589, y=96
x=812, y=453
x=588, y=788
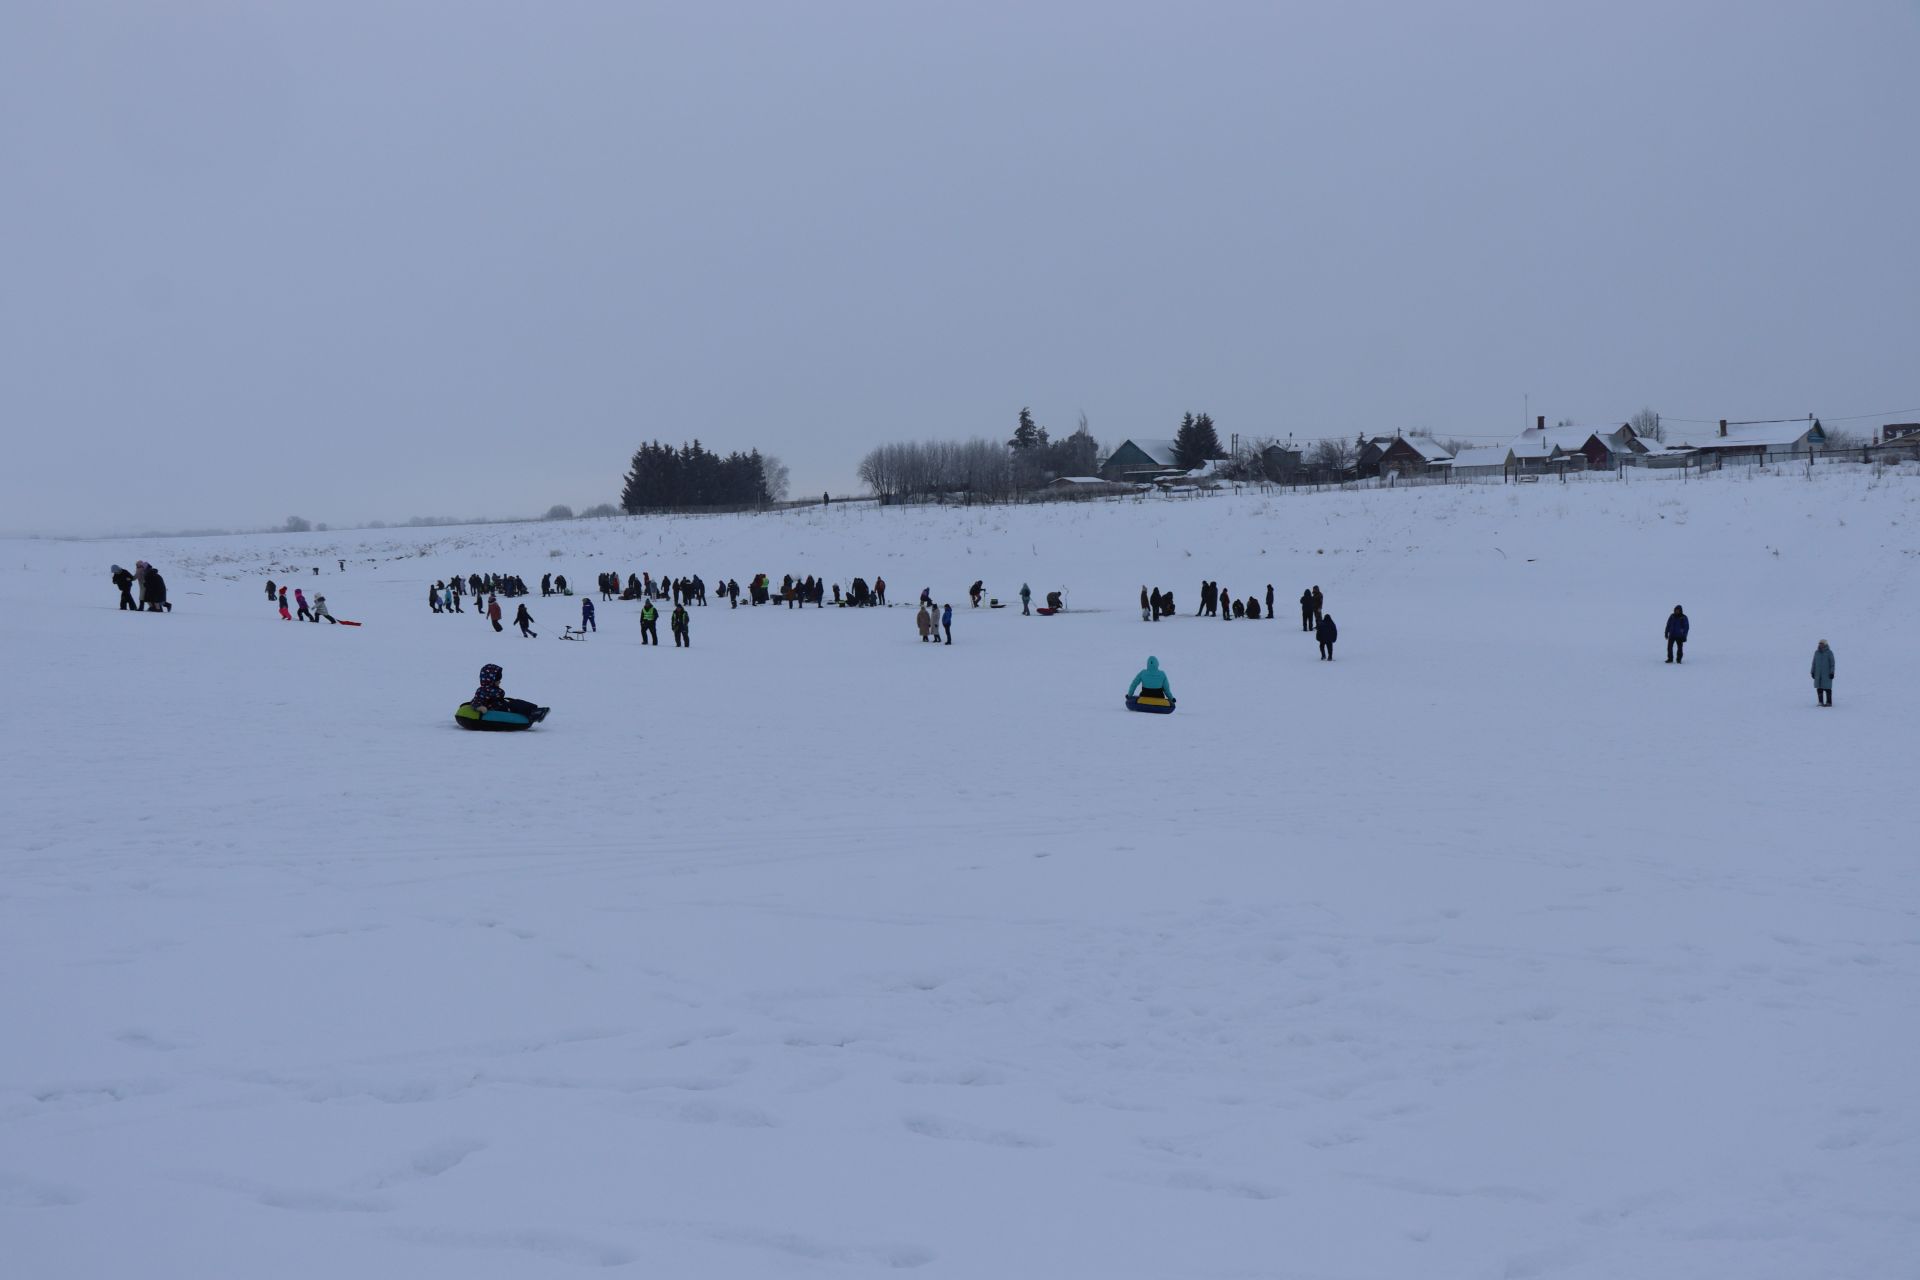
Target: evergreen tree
x=1029, y=435
x=1196, y=443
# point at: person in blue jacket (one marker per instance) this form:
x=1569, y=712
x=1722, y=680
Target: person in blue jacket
x=946, y=622
x=1677, y=628
x=1152, y=680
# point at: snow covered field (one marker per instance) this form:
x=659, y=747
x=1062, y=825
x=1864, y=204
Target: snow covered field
x=1495, y=948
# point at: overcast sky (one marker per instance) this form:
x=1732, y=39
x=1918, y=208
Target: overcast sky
x=356, y=261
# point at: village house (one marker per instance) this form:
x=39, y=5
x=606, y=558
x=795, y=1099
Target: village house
x=1140, y=460
x=1404, y=455
x=1749, y=441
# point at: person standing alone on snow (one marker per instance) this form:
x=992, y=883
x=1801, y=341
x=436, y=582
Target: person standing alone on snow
x=586, y=616
x=1270, y=613
x=1677, y=627
x=1823, y=674
x=1026, y=600
x=1326, y=633
x=946, y=622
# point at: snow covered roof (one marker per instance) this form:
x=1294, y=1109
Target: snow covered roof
x=1492, y=455
x=1090, y=481
x=1739, y=434
x=1161, y=451
x=1540, y=442
x=1428, y=448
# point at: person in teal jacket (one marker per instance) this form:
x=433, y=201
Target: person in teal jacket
x=1823, y=674
x=1152, y=680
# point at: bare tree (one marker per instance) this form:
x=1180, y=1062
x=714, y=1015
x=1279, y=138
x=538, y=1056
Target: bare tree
x=773, y=474
x=1646, y=425
x=1333, y=454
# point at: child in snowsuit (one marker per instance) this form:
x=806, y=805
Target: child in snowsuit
x=586, y=616
x=285, y=614
x=524, y=620
x=491, y=697
x=300, y=598
x=493, y=612
x=320, y=611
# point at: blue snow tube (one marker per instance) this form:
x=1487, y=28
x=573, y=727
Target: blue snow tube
x=1153, y=701
x=490, y=721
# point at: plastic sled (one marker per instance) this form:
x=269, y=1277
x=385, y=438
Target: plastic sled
x=495, y=721
x=1156, y=704
x=1044, y=612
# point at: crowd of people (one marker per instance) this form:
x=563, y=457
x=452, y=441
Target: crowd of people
x=933, y=621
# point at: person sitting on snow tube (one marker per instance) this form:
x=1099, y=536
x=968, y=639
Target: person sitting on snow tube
x=1152, y=684
x=491, y=697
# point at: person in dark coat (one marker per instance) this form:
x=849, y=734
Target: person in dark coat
x=1319, y=604
x=124, y=580
x=1326, y=633
x=272, y=591
x=946, y=622
x=1823, y=674
x=975, y=591
x=1253, y=606
x=1270, y=613
x=1678, y=625
x=1146, y=604
x=682, y=638
x=546, y=584
x=524, y=620
x=1306, y=610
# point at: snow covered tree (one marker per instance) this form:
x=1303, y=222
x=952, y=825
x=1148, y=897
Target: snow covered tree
x=559, y=511
x=1029, y=435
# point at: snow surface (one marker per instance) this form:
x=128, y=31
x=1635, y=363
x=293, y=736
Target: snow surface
x=1495, y=947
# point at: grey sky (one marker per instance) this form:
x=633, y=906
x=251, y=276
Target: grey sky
x=375, y=260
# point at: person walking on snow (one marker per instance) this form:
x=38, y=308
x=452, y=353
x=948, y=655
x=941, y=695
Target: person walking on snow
x=433, y=596
x=586, y=616
x=1678, y=625
x=492, y=614
x=300, y=598
x=946, y=622
x=286, y=615
x=649, y=624
x=924, y=622
x=1152, y=680
x=524, y=620
x=320, y=610
x=1026, y=600
x=1326, y=633
x=682, y=639
x=124, y=580
x=1823, y=674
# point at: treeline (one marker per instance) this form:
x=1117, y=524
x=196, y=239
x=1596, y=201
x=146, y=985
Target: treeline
x=663, y=478
x=983, y=467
